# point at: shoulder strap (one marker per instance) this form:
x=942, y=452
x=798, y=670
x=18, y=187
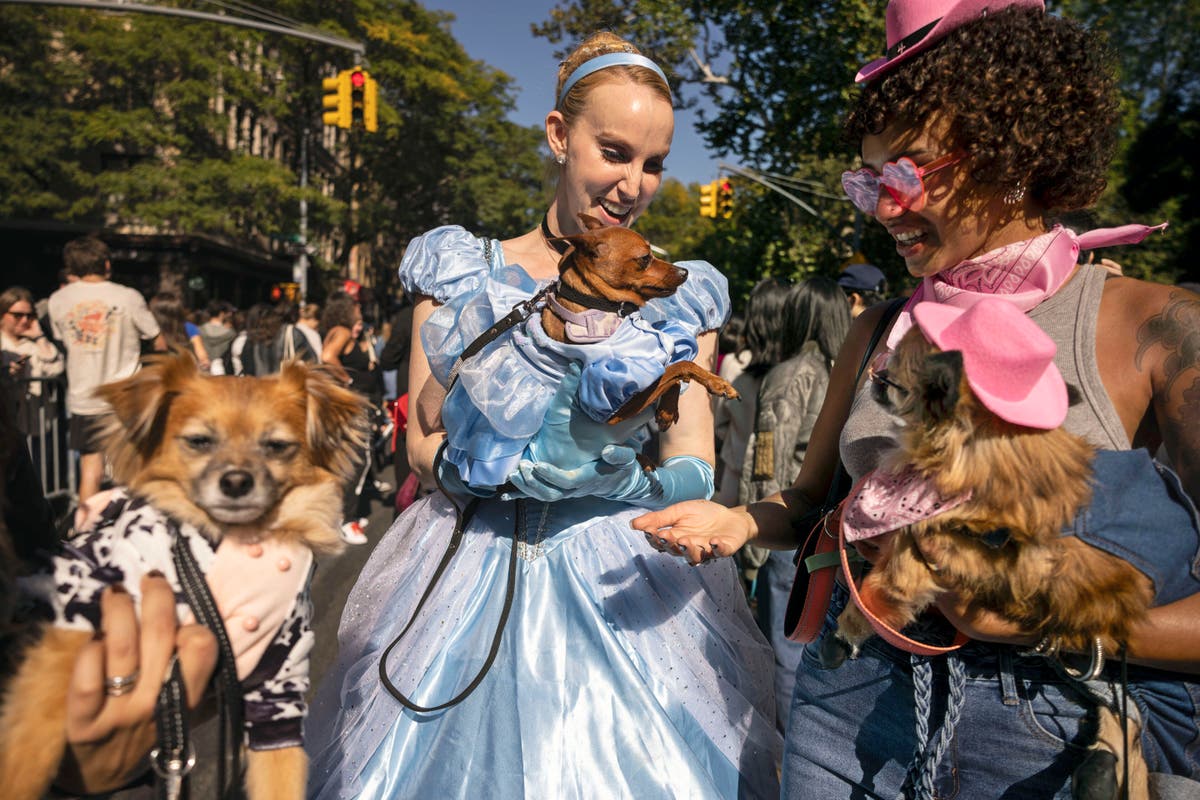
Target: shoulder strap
x=840, y=486
x=289, y=344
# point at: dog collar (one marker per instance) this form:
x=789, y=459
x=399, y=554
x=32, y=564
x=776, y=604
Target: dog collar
x=588, y=327
x=621, y=308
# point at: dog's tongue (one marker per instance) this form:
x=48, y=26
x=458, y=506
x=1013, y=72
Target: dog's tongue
x=883, y=502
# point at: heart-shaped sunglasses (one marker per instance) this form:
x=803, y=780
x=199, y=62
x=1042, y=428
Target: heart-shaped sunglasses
x=902, y=178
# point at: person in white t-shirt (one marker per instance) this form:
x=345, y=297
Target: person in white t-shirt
x=101, y=324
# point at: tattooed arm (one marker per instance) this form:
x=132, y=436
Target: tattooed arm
x=1148, y=353
x=1168, y=350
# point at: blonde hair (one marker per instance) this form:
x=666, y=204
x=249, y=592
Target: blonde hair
x=600, y=44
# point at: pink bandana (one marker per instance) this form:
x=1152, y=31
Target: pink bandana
x=1025, y=273
x=883, y=502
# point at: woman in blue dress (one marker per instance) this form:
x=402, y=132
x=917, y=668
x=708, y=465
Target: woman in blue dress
x=618, y=671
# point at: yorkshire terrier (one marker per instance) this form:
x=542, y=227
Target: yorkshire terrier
x=980, y=489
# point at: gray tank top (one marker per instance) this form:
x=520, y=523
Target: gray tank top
x=1069, y=317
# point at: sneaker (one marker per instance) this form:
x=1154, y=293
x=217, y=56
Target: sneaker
x=383, y=487
x=352, y=532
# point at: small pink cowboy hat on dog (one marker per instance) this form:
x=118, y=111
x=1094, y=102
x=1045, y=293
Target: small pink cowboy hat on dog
x=1008, y=359
x=914, y=25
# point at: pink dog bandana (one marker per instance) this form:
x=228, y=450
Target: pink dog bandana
x=1024, y=273
x=884, y=502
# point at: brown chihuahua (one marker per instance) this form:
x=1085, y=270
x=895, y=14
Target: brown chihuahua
x=611, y=268
x=248, y=472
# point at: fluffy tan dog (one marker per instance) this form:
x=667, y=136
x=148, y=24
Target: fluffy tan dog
x=1002, y=547
x=999, y=495
x=238, y=465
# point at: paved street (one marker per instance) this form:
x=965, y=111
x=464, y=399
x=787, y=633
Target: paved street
x=333, y=580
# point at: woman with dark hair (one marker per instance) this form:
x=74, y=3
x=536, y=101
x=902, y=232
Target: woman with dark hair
x=178, y=332
x=27, y=353
x=271, y=340
x=341, y=323
x=815, y=319
x=734, y=420
x=983, y=122
x=352, y=359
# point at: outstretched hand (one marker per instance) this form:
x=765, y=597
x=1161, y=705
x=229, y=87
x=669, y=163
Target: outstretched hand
x=109, y=736
x=698, y=530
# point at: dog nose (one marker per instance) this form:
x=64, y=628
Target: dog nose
x=236, y=483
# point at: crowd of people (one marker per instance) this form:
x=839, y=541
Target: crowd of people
x=579, y=627
x=93, y=330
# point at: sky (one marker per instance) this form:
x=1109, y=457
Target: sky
x=499, y=34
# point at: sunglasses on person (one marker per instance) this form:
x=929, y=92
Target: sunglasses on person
x=21, y=314
x=902, y=178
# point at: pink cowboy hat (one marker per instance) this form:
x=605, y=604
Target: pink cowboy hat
x=914, y=25
x=1008, y=359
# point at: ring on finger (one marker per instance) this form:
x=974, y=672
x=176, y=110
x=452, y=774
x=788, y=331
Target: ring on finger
x=121, y=684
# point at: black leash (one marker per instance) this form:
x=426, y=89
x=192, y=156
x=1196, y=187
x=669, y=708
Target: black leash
x=520, y=312
x=463, y=518
x=174, y=748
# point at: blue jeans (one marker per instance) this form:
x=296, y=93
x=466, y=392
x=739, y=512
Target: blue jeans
x=1021, y=733
x=775, y=585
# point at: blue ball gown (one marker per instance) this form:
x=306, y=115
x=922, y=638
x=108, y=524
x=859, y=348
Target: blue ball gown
x=622, y=671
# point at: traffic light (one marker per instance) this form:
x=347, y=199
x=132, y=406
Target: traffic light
x=364, y=100
x=725, y=199
x=708, y=200
x=285, y=291
x=336, y=100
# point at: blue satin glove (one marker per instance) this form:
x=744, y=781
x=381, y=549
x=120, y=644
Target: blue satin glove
x=618, y=476
x=595, y=459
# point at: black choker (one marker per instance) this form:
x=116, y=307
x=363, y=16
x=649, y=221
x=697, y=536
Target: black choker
x=620, y=308
x=560, y=245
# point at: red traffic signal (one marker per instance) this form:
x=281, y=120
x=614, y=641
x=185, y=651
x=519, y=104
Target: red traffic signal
x=358, y=79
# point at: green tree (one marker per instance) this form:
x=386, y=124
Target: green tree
x=137, y=121
x=789, y=67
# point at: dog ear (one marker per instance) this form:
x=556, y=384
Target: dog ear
x=335, y=417
x=141, y=401
x=940, y=377
x=590, y=223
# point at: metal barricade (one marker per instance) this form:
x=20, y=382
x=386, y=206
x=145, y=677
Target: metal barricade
x=43, y=419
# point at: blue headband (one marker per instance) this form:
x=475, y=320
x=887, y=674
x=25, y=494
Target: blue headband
x=605, y=61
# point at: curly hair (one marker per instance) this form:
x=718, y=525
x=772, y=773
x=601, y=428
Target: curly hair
x=338, y=312
x=1032, y=99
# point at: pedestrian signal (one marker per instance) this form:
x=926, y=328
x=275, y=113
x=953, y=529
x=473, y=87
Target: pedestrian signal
x=708, y=199
x=725, y=199
x=336, y=100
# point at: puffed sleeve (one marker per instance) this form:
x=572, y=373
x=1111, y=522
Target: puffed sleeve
x=443, y=263
x=700, y=304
